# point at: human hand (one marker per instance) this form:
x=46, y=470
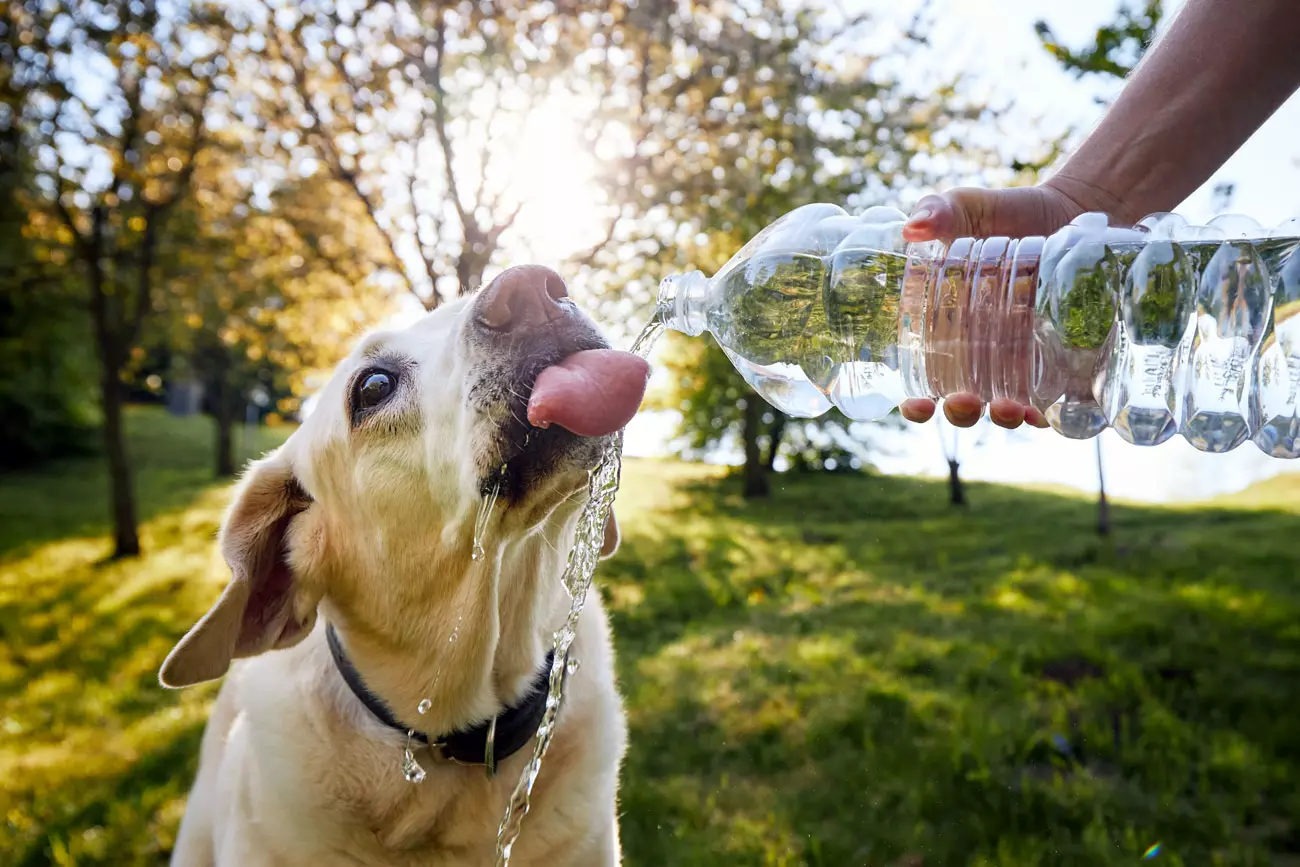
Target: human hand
x=970, y=212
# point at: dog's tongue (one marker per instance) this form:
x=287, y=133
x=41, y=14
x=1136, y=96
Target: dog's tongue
x=590, y=393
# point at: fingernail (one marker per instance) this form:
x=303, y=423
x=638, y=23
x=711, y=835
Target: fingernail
x=920, y=216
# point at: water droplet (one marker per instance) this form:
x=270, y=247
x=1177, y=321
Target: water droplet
x=1151, y=852
x=411, y=770
x=425, y=704
x=481, y=522
x=410, y=767
x=572, y=665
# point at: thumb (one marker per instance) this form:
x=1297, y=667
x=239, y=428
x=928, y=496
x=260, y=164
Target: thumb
x=972, y=212
x=933, y=218
x=961, y=213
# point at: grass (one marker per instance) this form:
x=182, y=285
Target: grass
x=852, y=673
x=95, y=758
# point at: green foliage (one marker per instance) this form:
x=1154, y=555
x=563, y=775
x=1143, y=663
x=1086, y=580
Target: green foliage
x=852, y=673
x=855, y=673
x=1160, y=308
x=113, y=148
x=748, y=111
x=1116, y=48
x=47, y=399
x=267, y=296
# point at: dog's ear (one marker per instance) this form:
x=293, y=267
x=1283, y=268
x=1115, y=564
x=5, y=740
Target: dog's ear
x=610, y=545
x=263, y=607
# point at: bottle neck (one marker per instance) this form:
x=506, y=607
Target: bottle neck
x=682, y=303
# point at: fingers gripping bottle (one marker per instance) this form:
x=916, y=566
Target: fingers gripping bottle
x=1155, y=329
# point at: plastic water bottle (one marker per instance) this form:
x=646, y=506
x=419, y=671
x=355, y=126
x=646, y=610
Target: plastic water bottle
x=1155, y=329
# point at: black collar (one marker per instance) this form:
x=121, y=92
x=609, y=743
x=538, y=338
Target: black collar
x=487, y=743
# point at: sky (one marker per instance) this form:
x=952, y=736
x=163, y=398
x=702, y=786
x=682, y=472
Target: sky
x=994, y=41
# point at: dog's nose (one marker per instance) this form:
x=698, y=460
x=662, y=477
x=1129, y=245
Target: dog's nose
x=520, y=297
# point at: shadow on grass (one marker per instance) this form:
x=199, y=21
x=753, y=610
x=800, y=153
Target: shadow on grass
x=851, y=673
x=122, y=817
x=854, y=673
x=95, y=757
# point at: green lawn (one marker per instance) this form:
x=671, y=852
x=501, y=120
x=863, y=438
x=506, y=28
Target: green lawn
x=850, y=674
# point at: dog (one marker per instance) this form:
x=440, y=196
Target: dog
x=362, y=615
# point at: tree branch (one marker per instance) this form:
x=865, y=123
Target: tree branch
x=155, y=213
x=433, y=75
x=588, y=259
x=433, y=300
x=330, y=151
x=495, y=233
x=104, y=334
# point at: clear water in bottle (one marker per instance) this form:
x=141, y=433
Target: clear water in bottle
x=1155, y=329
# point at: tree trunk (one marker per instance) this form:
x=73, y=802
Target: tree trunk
x=223, y=399
x=112, y=357
x=755, y=469
x=956, y=491
x=469, y=269
x=1103, y=507
x=126, y=540
x=223, y=418
x=774, y=437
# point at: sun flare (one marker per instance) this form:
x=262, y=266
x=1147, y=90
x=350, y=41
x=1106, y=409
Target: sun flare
x=554, y=174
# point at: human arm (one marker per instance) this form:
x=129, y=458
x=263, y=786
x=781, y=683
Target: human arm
x=1221, y=70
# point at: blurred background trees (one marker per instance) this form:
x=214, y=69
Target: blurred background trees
x=50, y=408
x=205, y=204
x=224, y=194
x=254, y=309
x=743, y=116
x=110, y=103
x=1112, y=53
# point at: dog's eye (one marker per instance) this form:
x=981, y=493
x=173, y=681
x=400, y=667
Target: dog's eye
x=374, y=388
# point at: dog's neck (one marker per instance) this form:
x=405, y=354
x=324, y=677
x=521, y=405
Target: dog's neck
x=471, y=639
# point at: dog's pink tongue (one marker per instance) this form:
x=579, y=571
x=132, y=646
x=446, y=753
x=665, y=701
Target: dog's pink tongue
x=591, y=393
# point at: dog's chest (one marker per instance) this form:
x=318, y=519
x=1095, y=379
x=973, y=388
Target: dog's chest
x=448, y=819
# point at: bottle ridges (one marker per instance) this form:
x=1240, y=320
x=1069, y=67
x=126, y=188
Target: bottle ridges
x=1155, y=329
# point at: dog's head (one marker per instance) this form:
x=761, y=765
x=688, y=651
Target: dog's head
x=512, y=394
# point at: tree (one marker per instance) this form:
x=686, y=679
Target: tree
x=263, y=296
x=1116, y=48
x=114, y=105
x=742, y=114
x=415, y=106
x=47, y=396
x=1114, y=52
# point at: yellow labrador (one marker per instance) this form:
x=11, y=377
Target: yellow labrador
x=358, y=609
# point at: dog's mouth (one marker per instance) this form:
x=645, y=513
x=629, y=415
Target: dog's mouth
x=561, y=411
x=549, y=387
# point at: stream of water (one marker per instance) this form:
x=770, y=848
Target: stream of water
x=587, y=541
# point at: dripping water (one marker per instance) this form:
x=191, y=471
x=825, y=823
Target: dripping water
x=410, y=767
x=587, y=541
x=481, y=521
